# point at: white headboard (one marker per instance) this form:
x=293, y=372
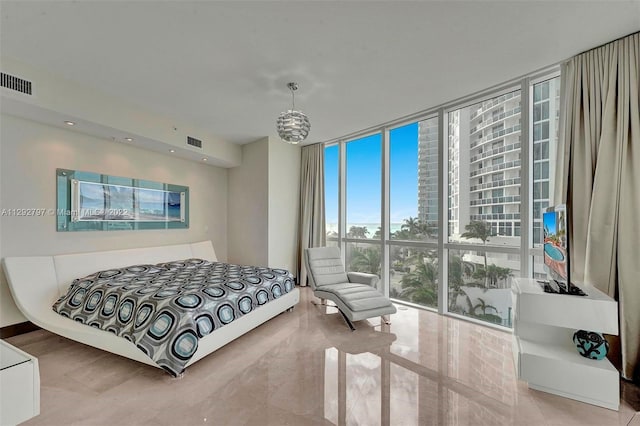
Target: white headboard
x=71, y=266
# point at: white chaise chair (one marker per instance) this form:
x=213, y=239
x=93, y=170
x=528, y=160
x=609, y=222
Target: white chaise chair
x=354, y=293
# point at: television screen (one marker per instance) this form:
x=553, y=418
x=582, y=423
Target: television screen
x=556, y=249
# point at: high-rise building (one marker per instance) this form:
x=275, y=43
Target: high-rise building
x=492, y=140
x=428, y=171
x=493, y=169
x=546, y=103
x=484, y=163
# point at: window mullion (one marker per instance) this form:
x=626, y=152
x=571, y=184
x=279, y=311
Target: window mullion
x=342, y=199
x=525, y=175
x=443, y=224
x=385, y=212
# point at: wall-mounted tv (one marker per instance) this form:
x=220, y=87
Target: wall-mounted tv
x=556, y=251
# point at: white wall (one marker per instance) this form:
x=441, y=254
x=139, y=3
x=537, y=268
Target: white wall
x=284, y=199
x=30, y=154
x=56, y=97
x=248, y=206
x=263, y=205
x=8, y=311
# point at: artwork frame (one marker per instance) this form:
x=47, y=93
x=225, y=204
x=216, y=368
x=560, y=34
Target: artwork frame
x=89, y=201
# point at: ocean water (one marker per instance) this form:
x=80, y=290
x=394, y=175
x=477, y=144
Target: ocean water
x=371, y=227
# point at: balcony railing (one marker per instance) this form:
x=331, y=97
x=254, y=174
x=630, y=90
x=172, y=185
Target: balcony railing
x=496, y=151
x=496, y=118
x=495, y=135
x=490, y=104
x=485, y=170
x=495, y=216
x=495, y=184
x=496, y=200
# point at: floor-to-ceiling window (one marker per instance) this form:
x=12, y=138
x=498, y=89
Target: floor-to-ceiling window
x=446, y=208
x=363, y=251
x=413, y=212
x=331, y=193
x=484, y=180
x=545, y=121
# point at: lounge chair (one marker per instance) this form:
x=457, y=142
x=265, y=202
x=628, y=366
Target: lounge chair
x=355, y=293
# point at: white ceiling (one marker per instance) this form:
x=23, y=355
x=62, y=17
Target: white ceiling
x=223, y=66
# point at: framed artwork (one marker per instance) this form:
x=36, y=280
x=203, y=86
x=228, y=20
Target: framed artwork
x=94, y=202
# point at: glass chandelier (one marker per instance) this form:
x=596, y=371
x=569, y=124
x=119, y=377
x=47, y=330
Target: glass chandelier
x=293, y=126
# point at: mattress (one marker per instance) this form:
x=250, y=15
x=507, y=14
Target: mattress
x=165, y=308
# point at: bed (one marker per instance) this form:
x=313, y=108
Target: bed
x=37, y=282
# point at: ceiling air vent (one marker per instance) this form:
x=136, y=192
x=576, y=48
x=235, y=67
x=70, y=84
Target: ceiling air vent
x=194, y=142
x=15, y=83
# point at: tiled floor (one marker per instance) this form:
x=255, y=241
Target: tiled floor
x=307, y=368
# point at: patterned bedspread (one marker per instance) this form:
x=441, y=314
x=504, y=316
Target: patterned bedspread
x=165, y=308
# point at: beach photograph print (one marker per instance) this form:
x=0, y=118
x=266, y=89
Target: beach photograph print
x=106, y=202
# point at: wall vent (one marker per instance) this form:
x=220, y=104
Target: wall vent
x=15, y=83
x=194, y=142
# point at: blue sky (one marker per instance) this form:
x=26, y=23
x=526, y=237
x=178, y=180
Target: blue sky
x=549, y=222
x=364, y=177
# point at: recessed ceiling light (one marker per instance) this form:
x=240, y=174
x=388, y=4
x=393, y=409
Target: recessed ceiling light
x=70, y=123
x=128, y=139
x=204, y=159
x=172, y=150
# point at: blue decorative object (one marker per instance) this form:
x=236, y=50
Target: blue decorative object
x=590, y=344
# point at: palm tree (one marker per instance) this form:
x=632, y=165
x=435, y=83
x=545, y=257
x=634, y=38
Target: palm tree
x=493, y=274
x=428, y=230
x=478, y=229
x=416, y=256
x=456, y=271
x=412, y=225
x=482, y=231
x=419, y=286
x=456, y=280
x=357, y=232
x=366, y=260
x=402, y=234
x=484, y=315
x=500, y=274
x=483, y=306
x=378, y=234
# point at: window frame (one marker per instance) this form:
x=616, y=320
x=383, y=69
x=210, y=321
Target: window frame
x=525, y=250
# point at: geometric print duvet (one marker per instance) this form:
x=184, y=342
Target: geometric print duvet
x=165, y=308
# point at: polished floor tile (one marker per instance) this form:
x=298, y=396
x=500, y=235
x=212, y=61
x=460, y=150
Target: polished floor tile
x=307, y=368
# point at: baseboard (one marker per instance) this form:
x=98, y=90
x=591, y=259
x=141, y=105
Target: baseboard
x=15, y=329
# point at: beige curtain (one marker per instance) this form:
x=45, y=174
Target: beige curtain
x=311, y=225
x=598, y=176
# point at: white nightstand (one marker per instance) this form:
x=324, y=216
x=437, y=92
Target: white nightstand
x=19, y=385
x=543, y=349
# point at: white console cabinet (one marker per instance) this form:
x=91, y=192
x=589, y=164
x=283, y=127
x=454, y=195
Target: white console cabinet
x=19, y=385
x=544, y=354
